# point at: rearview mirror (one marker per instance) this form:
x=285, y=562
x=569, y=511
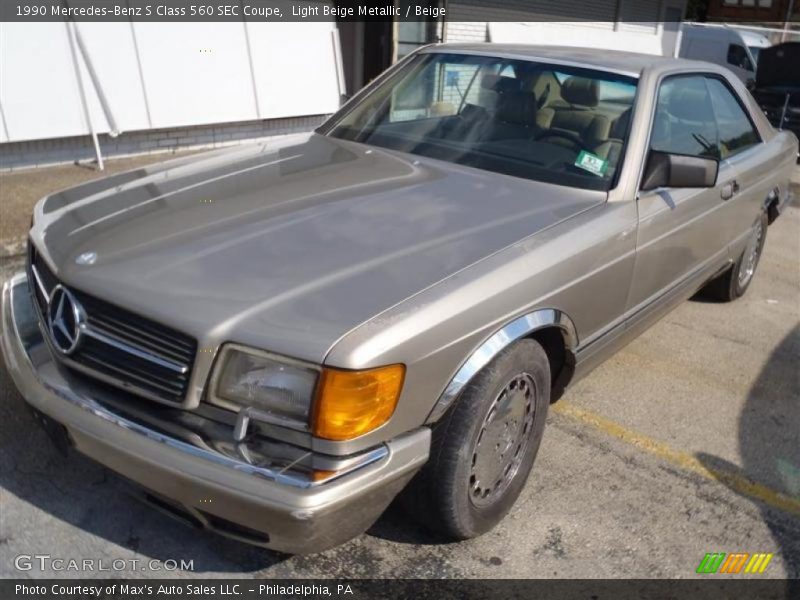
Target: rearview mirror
x=679, y=171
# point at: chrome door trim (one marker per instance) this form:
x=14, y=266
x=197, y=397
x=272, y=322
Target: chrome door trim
x=513, y=331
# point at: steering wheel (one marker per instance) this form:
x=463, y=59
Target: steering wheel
x=573, y=138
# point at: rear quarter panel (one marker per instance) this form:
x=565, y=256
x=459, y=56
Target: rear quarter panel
x=759, y=171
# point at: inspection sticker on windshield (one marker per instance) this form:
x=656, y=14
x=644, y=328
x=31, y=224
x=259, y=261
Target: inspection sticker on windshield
x=591, y=162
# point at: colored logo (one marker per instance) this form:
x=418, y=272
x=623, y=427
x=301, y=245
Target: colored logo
x=734, y=563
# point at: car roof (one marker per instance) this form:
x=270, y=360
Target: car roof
x=752, y=39
x=628, y=63
x=710, y=32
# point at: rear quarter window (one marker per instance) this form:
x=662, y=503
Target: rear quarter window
x=736, y=131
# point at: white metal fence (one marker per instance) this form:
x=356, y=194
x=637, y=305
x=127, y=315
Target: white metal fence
x=67, y=79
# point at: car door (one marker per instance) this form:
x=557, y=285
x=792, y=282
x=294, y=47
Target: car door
x=741, y=153
x=679, y=240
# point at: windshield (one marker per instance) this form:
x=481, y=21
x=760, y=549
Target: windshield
x=754, y=51
x=546, y=122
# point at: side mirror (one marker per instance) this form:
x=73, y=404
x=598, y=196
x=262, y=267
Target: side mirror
x=679, y=171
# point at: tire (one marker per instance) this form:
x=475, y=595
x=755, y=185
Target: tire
x=479, y=463
x=734, y=282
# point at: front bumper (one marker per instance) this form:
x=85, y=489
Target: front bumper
x=236, y=498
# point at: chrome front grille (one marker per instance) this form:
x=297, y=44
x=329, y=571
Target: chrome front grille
x=117, y=346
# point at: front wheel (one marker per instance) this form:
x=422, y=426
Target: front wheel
x=484, y=447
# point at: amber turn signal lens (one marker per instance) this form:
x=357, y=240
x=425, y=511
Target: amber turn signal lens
x=352, y=403
x=317, y=476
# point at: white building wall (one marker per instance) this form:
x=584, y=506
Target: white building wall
x=161, y=75
x=157, y=87
x=575, y=34
x=632, y=25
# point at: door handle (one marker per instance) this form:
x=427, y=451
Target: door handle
x=729, y=189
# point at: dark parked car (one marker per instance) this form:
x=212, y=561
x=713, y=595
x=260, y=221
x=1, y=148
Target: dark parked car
x=777, y=88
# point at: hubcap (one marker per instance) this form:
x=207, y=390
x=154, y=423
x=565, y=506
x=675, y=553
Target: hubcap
x=502, y=441
x=751, y=252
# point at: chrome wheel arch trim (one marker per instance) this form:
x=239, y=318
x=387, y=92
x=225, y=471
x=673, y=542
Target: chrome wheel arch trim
x=517, y=329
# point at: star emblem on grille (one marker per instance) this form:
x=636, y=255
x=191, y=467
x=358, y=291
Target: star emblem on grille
x=65, y=320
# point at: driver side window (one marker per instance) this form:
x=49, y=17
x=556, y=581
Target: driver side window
x=684, y=121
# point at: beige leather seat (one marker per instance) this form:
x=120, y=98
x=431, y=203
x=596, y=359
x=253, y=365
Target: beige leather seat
x=611, y=149
x=577, y=125
x=515, y=110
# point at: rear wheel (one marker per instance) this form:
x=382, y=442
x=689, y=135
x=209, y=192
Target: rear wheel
x=484, y=447
x=734, y=283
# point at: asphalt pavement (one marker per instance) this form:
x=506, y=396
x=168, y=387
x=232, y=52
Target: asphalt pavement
x=686, y=442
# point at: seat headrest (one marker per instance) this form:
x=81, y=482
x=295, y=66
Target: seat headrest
x=500, y=84
x=517, y=107
x=579, y=90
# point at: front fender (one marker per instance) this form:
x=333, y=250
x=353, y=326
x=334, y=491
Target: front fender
x=517, y=329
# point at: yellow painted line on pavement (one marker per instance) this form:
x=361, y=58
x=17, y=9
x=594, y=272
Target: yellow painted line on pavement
x=735, y=481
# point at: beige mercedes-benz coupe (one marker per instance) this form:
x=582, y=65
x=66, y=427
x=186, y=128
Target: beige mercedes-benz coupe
x=275, y=340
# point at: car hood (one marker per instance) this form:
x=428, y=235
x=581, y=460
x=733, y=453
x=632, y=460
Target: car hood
x=287, y=246
x=777, y=67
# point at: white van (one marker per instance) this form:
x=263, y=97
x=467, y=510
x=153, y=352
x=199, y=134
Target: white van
x=754, y=43
x=737, y=50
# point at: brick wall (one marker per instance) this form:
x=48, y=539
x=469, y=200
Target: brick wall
x=466, y=31
x=38, y=153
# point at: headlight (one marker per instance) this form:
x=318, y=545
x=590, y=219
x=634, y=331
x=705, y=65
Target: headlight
x=346, y=404
x=280, y=387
